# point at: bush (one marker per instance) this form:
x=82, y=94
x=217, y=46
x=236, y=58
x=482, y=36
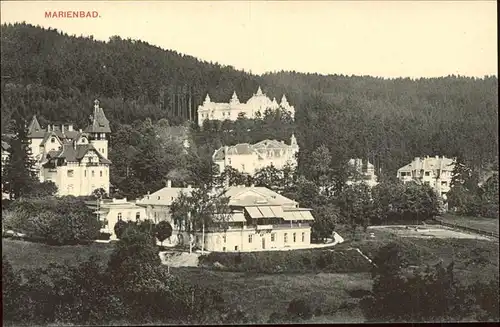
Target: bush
x=10, y=291
x=296, y=261
x=299, y=308
x=55, y=221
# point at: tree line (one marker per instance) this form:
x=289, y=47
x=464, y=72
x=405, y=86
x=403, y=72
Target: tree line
x=388, y=121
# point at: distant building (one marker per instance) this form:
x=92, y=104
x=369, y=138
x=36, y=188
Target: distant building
x=365, y=172
x=248, y=158
x=433, y=171
x=258, y=103
x=76, y=161
x=110, y=211
x=260, y=219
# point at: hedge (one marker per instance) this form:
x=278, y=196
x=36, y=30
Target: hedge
x=294, y=261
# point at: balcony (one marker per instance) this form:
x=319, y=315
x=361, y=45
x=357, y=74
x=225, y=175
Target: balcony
x=262, y=227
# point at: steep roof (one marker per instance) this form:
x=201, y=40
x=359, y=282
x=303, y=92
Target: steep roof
x=34, y=129
x=99, y=123
x=5, y=146
x=75, y=153
x=48, y=135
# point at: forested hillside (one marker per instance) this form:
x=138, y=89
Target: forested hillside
x=389, y=121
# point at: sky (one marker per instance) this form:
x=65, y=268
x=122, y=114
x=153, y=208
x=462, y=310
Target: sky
x=377, y=38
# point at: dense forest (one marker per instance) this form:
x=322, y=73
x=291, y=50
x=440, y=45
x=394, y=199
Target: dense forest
x=388, y=121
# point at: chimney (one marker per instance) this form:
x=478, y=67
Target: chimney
x=437, y=157
x=169, y=183
x=62, y=128
x=80, y=130
x=189, y=186
x=70, y=127
x=48, y=128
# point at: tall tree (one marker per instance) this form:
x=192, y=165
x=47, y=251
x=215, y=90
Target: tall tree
x=19, y=173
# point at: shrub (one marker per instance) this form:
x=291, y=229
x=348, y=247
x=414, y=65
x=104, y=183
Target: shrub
x=296, y=261
x=299, y=308
x=10, y=291
x=163, y=231
x=55, y=221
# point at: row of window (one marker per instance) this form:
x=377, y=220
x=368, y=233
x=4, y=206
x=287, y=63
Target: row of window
x=137, y=215
x=273, y=237
x=71, y=173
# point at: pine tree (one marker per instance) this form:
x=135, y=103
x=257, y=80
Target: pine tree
x=19, y=174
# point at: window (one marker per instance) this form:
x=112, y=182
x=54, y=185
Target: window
x=242, y=166
x=224, y=238
x=427, y=183
x=427, y=173
x=100, y=173
x=249, y=238
x=84, y=173
x=52, y=140
x=286, y=237
x=229, y=160
x=443, y=183
x=224, y=249
x=403, y=174
x=158, y=197
x=294, y=237
x=93, y=174
x=303, y=237
x=236, y=248
x=119, y=215
x=70, y=173
x=137, y=215
x=273, y=237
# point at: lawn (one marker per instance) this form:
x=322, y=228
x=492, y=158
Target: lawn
x=336, y=294
x=484, y=224
x=262, y=294
x=23, y=254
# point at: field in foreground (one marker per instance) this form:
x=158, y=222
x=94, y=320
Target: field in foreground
x=23, y=254
x=480, y=223
x=336, y=295
x=259, y=294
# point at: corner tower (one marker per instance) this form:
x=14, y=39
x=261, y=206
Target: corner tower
x=99, y=130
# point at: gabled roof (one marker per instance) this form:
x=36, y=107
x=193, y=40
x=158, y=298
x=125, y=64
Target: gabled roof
x=34, y=129
x=34, y=125
x=5, y=146
x=99, y=123
x=48, y=135
x=75, y=154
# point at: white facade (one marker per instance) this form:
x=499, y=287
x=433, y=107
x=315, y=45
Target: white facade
x=260, y=220
x=258, y=103
x=433, y=171
x=365, y=173
x=110, y=211
x=248, y=158
x=76, y=161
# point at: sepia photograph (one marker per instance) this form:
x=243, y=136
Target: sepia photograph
x=249, y=162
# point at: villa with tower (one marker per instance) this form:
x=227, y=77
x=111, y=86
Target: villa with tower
x=249, y=158
x=75, y=160
x=258, y=103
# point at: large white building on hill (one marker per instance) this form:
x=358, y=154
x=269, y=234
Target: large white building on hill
x=248, y=158
x=433, y=171
x=260, y=219
x=256, y=105
x=75, y=160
